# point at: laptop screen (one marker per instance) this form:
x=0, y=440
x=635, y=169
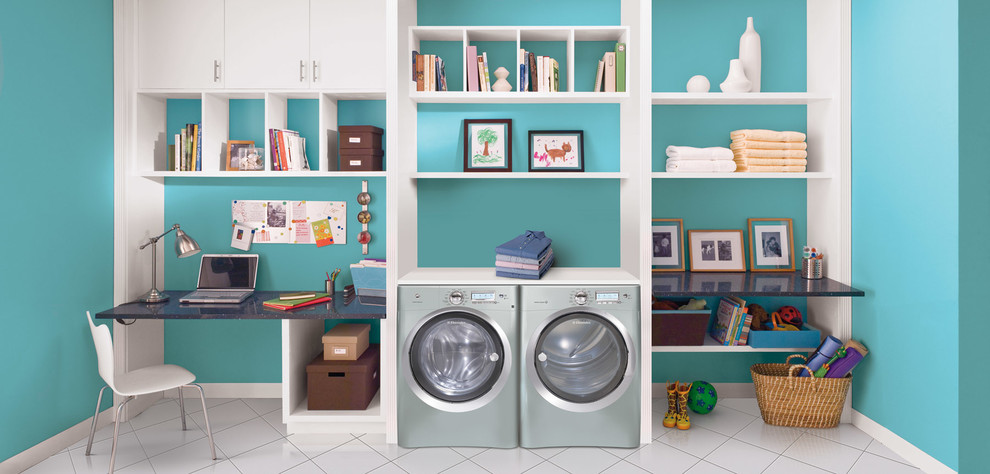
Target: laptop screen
x=228, y=272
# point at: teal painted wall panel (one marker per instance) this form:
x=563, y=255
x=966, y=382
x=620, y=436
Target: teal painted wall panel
x=692, y=38
x=452, y=54
x=303, y=116
x=247, y=121
x=462, y=221
x=905, y=202
x=179, y=112
x=519, y=12
x=586, y=57
x=58, y=157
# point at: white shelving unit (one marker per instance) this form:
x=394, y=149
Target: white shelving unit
x=711, y=345
x=805, y=175
x=518, y=175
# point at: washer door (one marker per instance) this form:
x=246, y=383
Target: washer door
x=581, y=360
x=458, y=359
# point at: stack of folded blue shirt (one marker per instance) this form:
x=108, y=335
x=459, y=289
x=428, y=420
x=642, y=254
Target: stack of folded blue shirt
x=527, y=256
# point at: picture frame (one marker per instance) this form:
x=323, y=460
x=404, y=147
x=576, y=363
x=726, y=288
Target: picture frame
x=487, y=145
x=771, y=244
x=717, y=251
x=668, y=245
x=233, y=152
x=556, y=150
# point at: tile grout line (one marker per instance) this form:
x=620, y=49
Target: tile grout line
x=861, y=453
x=902, y=461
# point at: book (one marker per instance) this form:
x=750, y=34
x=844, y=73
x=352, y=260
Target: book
x=472, y=72
x=287, y=305
x=488, y=77
x=419, y=73
x=546, y=74
x=598, y=75
x=283, y=162
x=443, y=75
x=555, y=78
x=539, y=74
x=532, y=72
x=184, y=135
x=744, y=336
x=483, y=87
x=428, y=71
x=177, y=159
x=620, y=67
x=199, y=147
x=521, y=61
x=415, y=54
x=272, y=152
x=725, y=315
x=738, y=317
x=609, y=71
x=299, y=295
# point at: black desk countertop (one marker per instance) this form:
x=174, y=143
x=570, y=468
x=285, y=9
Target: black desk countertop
x=251, y=308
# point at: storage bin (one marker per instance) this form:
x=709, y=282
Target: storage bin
x=680, y=328
x=353, y=159
x=346, y=341
x=360, y=136
x=343, y=385
x=369, y=281
x=788, y=400
x=806, y=337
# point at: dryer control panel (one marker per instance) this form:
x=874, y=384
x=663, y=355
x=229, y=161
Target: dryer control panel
x=600, y=296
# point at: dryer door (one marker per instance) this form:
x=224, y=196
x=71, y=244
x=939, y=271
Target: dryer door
x=457, y=360
x=581, y=360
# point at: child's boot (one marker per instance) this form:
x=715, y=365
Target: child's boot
x=670, y=419
x=683, y=421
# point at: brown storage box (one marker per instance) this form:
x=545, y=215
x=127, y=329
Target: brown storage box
x=346, y=341
x=353, y=159
x=680, y=328
x=361, y=136
x=343, y=385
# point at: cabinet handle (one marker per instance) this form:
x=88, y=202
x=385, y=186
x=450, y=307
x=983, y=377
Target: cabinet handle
x=316, y=71
x=216, y=70
x=302, y=70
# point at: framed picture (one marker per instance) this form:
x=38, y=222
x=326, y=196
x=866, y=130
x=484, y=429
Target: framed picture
x=717, y=251
x=556, y=150
x=488, y=145
x=771, y=245
x=233, y=152
x=668, y=245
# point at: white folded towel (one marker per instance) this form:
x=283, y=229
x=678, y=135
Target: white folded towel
x=700, y=166
x=692, y=153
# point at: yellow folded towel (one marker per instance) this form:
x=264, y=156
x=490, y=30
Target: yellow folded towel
x=758, y=145
x=768, y=136
x=747, y=153
x=771, y=169
x=770, y=161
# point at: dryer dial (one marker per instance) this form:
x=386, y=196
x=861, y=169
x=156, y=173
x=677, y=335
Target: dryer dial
x=581, y=297
x=456, y=297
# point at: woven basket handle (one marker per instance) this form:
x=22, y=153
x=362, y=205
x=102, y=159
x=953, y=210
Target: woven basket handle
x=796, y=355
x=791, y=377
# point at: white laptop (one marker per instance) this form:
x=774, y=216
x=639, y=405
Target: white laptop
x=224, y=279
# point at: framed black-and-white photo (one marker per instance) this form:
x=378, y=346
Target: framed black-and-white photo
x=717, y=251
x=668, y=245
x=771, y=244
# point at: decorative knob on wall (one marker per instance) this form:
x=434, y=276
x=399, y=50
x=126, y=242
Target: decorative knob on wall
x=364, y=217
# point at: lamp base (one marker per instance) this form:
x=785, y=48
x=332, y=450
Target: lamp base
x=153, y=296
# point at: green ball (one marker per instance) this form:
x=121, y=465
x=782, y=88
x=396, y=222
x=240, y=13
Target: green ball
x=702, y=398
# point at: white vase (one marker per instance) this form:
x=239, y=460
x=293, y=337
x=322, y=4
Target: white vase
x=501, y=85
x=698, y=84
x=750, y=54
x=736, y=81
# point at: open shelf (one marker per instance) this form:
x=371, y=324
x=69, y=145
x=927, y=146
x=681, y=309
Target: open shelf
x=748, y=98
x=806, y=175
x=711, y=345
x=339, y=94
x=511, y=175
x=263, y=174
x=301, y=414
x=513, y=97
x=486, y=276
x=746, y=284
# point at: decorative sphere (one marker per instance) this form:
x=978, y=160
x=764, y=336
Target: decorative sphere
x=702, y=398
x=698, y=83
x=364, y=217
x=364, y=199
x=364, y=237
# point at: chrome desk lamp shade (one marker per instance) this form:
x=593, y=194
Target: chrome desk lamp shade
x=185, y=246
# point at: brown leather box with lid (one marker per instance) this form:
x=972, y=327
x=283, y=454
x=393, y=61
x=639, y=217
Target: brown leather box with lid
x=343, y=384
x=361, y=136
x=356, y=159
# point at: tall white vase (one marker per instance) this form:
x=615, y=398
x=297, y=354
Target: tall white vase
x=736, y=80
x=750, y=54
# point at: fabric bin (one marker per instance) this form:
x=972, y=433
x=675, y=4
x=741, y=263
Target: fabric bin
x=680, y=328
x=806, y=337
x=343, y=385
x=346, y=341
x=360, y=136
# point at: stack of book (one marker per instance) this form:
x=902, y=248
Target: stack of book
x=732, y=321
x=187, y=152
x=429, y=72
x=537, y=73
x=288, y=301
x=611, y=75
x=288, y=150
x=527, y=256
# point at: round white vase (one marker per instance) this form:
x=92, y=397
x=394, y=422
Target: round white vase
x=698, y=84
x=736, y=81
x=750, y=54
x=501, y=85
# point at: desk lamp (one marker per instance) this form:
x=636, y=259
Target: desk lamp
x=185, y=246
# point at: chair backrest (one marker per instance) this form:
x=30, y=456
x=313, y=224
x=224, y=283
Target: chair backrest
x=104, y=350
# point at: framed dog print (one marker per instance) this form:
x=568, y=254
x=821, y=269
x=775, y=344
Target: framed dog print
x=488, y=145
x=717, y=251
x=556, y=150
x=668, y=245
x=771, y=245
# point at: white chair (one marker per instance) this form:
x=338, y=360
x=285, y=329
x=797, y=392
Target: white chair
x=139, y=382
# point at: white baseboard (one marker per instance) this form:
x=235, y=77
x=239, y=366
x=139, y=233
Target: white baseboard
x=45, y=449
x=725, y=390
x=233, y=390
x=898, y=445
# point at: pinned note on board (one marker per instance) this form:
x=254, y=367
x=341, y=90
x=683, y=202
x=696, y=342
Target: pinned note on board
x=242, y=237
x=322, y=232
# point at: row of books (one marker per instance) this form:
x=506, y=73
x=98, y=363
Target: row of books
x=429, y=72
x=537, y=73
x=186, y=154
x=732, y=320
x=611, y=75
x=288, y=150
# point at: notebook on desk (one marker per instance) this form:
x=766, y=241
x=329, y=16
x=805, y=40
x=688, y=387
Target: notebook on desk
x=224, y=279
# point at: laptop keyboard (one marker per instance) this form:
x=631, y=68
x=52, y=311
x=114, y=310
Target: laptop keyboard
x=216, y=294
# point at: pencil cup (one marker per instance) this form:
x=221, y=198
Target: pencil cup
x=330, y=287
x=811, y=268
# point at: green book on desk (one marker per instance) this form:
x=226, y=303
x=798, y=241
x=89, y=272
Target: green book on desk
x=278, y=303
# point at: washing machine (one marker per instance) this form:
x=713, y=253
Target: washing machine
x=457, y=366
x=580, y=379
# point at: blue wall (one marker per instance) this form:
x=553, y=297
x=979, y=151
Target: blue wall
x=906, y=219
x=56, y=121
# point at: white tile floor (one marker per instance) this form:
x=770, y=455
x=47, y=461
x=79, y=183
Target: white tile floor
x=250, y=438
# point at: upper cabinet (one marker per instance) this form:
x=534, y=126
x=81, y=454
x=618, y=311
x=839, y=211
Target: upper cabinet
x=180, y=44
x=347, y=44
x=267, y=44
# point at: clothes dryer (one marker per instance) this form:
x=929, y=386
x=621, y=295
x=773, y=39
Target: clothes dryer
x=580, y=357
x=457, y=356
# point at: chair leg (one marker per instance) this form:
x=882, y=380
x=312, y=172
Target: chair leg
x=116, y=429
x=209, y=432
x=92, y=429
x=182, y=408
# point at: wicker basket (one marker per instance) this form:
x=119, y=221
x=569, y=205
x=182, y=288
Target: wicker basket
x=788, y=400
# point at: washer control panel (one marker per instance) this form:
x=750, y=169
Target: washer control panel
x=600, y=296
x=477, y=297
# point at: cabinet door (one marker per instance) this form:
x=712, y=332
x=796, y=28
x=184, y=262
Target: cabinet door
x=180, y=44
x=267, y=44
x=347, y=42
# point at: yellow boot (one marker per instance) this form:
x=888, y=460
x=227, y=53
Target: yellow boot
x=670, y=419
x=683, y=421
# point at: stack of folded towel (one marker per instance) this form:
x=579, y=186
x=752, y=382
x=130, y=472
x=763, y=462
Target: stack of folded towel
x=686, y=159
x=527, y=256
x=769, y=151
